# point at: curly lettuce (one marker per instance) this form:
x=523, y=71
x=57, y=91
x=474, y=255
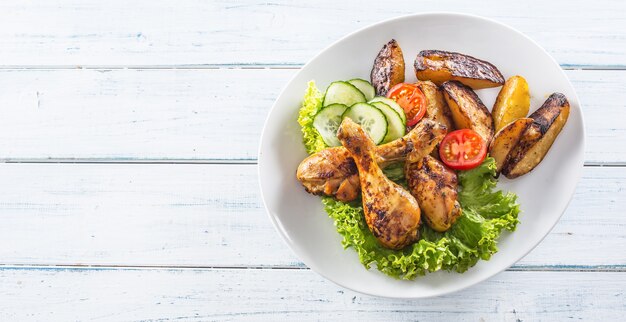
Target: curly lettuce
x=486, y=212
x=311, y=104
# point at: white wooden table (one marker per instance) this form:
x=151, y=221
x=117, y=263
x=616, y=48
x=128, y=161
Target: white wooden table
x=128, y=191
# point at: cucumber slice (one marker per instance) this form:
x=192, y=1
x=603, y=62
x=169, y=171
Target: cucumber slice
x=327, y=121
x=370, y=118
x=395, y=127
x=365, y=87
x=343, y=93
x=391, y=104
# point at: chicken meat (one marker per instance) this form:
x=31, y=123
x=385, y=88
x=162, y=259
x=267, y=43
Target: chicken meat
x=332, y=171
x=435, y=188
x=391, y=212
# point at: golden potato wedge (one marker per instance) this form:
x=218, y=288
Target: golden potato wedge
x=506, y=139
x=468, y=111
x=388, y=68
x=436, y=106
x=440, y=66
x=548, y=121
x=512, y=103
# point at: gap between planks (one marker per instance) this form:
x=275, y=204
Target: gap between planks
x=544, y=268
x=133, y=161
x=242, y=66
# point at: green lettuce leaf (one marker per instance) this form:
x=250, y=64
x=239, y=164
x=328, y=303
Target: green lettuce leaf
x=473, y=237
x=486, y=212
x=395, y=171
x=311, y=104
x=477, y=192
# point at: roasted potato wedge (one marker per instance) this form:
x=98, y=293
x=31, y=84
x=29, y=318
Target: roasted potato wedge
x=548, y=121
x=512, y=103
x=388, y=68
x=468, y=111
x=440, y=66
x=506, y=139
x=436, y=107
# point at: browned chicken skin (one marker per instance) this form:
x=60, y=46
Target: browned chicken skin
x=391, y=213
x=332, y=171
x=436, y=107
x=435, y=188
x=323, y=173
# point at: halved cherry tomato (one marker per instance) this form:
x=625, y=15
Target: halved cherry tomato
x=462, y=149
x=411, y=99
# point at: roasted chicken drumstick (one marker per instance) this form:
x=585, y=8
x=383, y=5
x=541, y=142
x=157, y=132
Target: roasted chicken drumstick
x=435, y=188
x=391, y=213
x=332, y=171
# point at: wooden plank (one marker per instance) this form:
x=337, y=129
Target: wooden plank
x=139, y=33
x=212, y=216
x=295, y=295
x=130, y=214
x=602, y=121
x=134, y=114
x=201, y=114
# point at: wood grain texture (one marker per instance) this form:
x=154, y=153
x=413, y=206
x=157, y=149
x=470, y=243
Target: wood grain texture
x=212, y=216
x=201, y=114
x=252, y=32
x=134, y=114
x=295, y=295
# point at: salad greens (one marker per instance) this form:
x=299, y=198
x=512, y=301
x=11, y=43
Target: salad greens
x=485, y=213
x=311, y=104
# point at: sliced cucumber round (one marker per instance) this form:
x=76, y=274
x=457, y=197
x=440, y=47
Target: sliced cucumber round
x=395, y=127
x=370, y=118
x=391, y=104
x=365, y=87
x=343, y=93
x=327, y=121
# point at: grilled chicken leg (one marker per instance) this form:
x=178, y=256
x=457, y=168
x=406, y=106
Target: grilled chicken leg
x=332, y=171
x=391, y=213
x=434, y=186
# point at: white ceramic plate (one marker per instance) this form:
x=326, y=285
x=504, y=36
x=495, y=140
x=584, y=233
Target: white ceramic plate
x=543, y=194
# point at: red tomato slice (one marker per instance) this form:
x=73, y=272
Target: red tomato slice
x=411, y=99
x=462, y=149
